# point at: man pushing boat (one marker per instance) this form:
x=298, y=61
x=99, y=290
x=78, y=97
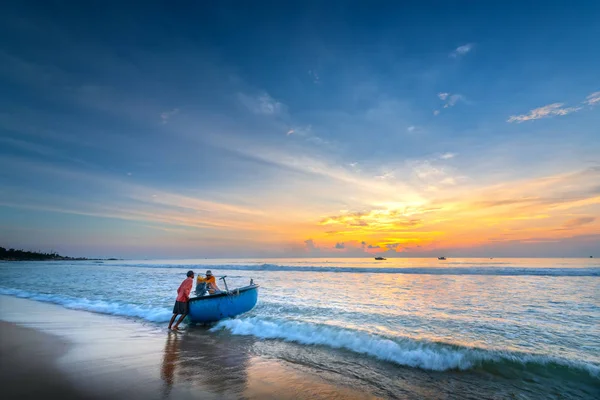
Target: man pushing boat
x=207, y=309
x=183, y=297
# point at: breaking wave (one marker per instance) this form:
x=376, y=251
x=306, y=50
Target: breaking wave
x=405, y=352
x=402, y=351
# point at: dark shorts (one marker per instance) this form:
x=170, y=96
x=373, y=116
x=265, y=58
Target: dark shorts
x=181, y=307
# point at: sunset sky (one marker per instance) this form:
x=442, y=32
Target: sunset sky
x=280, y=130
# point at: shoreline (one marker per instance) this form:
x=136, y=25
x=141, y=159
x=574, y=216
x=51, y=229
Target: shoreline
x=107, y=356
x=62, y=259
x=58, y=353
x=103, y=356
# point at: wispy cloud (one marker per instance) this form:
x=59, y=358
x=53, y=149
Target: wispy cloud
x=453, y=99
x=543, y=112
x=305, y=131
x=314, y=76
x=432, y=174
x=576, y=222
x=461, y=50
x=592, y=99
x=317, y=140
x=386, y=175
x=165, y=116
x=261, y=104
x=425, y=170
x=447, y=156
x=449, y=100
x=373, y=220
x=129, y=201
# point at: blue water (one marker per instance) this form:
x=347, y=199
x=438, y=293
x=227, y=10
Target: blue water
x=530, y=326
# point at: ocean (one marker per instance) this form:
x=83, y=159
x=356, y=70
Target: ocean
x=399, y=328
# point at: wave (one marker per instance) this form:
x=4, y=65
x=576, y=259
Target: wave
x=401, y=351
x=501, y=271
x=152, y=314
x=405, y=352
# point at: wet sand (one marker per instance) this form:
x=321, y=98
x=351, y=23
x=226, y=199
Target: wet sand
x=54, y=352
x=28, y=364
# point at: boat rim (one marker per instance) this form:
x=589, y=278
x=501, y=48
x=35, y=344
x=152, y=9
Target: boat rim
x=236, y=290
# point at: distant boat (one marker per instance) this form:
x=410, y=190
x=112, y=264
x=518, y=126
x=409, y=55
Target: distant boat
x=441, y=258
x=215, y=307
x=379, y=258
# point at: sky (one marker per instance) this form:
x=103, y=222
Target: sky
x=300, y=129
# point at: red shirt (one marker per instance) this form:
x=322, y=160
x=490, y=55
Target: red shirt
x=183, y=293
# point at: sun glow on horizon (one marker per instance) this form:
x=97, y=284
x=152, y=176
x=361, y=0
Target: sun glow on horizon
x=336, y=139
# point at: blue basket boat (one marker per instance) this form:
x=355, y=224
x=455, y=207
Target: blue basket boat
x=215, y=307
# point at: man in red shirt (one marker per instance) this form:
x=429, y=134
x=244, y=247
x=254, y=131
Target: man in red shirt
x=181, y=304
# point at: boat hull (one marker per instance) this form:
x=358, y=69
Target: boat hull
x=216, y=307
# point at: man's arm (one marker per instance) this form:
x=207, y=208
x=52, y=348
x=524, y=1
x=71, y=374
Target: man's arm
x=211, y=283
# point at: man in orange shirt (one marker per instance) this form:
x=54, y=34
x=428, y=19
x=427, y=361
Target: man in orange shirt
x=181, y=304
x=209, y=283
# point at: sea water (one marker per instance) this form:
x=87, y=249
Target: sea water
x=525, y=328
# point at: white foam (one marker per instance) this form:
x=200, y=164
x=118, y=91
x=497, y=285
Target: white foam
x=406, y=352
x=99, y=306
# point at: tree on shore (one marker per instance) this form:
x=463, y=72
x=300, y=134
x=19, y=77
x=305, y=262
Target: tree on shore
x=22, y=255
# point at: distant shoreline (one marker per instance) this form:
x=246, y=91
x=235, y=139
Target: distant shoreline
x=22, y=255
x=61, y=259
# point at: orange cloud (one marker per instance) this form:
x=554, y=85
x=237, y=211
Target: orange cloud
x=530, y=210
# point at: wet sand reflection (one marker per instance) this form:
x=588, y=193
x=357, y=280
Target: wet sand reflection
x=206, y=363
x=169, y=362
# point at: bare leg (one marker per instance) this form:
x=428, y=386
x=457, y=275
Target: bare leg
x=178, y=322
x=172, y=320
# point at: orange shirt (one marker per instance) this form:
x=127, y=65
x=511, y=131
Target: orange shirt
x=183, y=293
x=211, y=283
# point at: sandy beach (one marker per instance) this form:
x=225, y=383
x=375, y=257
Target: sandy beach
x=29, y=368
x=49, y=351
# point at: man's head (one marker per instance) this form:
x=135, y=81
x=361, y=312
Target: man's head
x=209, y=273
x=190, y=274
